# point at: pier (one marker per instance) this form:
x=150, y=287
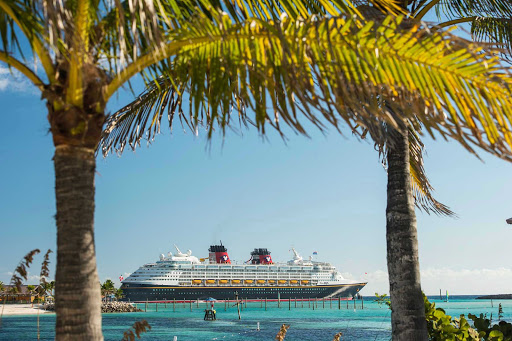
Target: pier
x=241, y=304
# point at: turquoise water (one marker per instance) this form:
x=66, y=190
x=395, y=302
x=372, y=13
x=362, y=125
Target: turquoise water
x=370, y=323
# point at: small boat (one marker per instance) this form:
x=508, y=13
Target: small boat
x=210, y=281
x=196, y=281
x=223, y=281
x=293, y=281
x=235, y=281
x=281, y=281
x=248, y=281
x=260, y=281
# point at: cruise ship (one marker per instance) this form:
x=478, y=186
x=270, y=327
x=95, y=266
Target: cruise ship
x=181, y=276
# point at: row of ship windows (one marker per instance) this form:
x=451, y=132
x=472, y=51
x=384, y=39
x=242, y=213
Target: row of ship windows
x=254, y=290
x=242, y=270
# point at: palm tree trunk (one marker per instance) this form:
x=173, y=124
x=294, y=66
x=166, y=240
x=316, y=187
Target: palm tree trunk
x=77, y=290
x=407, y=306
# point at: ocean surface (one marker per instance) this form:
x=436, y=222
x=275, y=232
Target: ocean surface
x=306, y=323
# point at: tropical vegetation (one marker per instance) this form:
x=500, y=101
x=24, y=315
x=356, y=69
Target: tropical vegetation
x=443, y=327
x=273, y=59
x=107, y=288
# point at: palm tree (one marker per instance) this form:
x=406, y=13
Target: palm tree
x=107, y=288
x=462, y=119
x=118, y=293
x=88, y=51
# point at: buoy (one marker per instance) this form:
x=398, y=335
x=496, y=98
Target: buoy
x=258, y=326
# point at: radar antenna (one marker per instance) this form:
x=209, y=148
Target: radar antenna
x=177, y=249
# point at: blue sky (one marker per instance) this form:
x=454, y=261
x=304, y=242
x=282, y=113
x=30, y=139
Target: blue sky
x=325, y=194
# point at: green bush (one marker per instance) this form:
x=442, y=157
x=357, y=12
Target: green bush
x=442, y=327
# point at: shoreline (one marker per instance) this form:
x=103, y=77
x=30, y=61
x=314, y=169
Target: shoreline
x=23, y=309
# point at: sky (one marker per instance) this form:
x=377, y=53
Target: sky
x=326, y=193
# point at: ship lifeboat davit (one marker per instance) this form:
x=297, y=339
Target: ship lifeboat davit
x=196, y=281
x=260, y=281
x=223, y=281
x=248, y=281
x=235, y=281
x=210, y=281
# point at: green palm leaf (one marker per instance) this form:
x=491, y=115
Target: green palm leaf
x=289, y=71
x=454, y=9
x=496, y=30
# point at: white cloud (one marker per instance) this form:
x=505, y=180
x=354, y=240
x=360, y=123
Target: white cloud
x=456, y=281
x=12, y=80
x=31, y=279
x=467, y=281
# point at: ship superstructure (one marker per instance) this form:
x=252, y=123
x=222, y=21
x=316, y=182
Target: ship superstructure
x=182, y=276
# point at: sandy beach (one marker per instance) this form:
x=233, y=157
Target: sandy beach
x=23, y=309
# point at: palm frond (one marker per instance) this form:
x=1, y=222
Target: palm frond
x=329, y=71
x=453, y=9
x=497, y=30
x=422, y=189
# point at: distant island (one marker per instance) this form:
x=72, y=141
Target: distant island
x=495, y=297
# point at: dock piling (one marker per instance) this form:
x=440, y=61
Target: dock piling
x=295, y=302
x=173, y=304
x=289, y=304
x=237, y=305
x=265, y=304
x=156, y=306
x=339, y=303
x=190, y=305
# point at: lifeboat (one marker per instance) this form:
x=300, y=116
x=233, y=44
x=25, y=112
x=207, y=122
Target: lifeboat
x=260, y=281
x=271, y=281
x=223, y=281
x=248, y=281
x=304, y=282
x=281, y=281
x=293, y=281
x=235, y=281
x=210, y=281
x=196, y=281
